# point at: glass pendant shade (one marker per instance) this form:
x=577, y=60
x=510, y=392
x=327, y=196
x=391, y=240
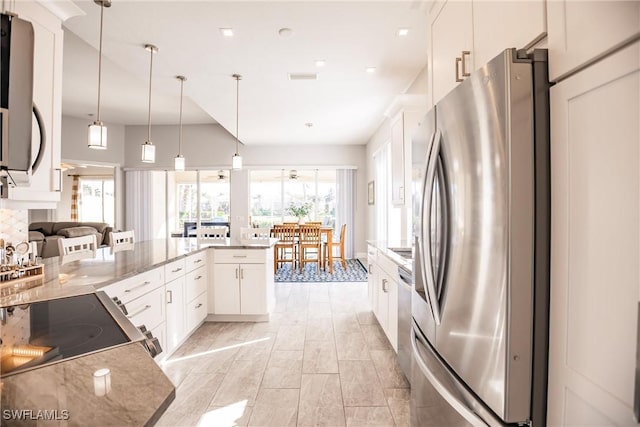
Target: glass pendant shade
x=98, y=136
x=179, y=163
x=148, y=152
x=236, y=162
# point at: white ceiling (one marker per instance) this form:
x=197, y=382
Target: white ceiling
x=345, y=104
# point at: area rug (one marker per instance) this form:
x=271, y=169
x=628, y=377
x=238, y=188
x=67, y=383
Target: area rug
x=355, y=272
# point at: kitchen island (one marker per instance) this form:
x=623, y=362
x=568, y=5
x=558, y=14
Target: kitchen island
x=165, y=285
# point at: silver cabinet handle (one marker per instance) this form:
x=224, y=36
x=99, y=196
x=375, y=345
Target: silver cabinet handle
x=145, y=308
x=465, y=73
x=241, y=273
x=401, y=192
x=197, y=278
x=236, y=273
x=147, y=283
x=176, y=270
x=169, y=297
x=385, y=284
x=458, y=61
x=239, y=256
x=199, y=305
x=370, y=268
x=197, y=261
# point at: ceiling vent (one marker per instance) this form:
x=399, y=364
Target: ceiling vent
x=303, y=76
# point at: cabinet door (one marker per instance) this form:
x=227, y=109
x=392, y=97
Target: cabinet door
x=47, y=96
x=196, y=282
x=498, y=25
x=382, y=311
x=451, y=34
x=196, y=311
x=582, y=30
x=397, y=161
x=253, y=289
x=226, y=290
x=595, y=243
x=175, y=313
x=392, y=328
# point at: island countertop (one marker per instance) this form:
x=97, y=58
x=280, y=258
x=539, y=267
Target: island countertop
x=91, y=274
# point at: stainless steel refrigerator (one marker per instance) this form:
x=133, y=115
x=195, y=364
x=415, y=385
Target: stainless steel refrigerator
x=481, y=235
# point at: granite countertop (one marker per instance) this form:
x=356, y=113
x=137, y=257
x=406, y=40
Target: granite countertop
x=384, y=247
x=91, y=274
x=140, y=392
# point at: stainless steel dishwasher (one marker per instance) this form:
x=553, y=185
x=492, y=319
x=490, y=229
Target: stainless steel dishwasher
x=404, y=321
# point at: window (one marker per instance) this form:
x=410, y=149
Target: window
x=97, y=202
x=272, y=191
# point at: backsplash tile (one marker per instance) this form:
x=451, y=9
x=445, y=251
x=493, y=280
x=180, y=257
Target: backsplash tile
x=14, y=225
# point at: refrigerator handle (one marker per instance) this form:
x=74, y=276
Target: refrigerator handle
x=443, y=382
x=430, y=279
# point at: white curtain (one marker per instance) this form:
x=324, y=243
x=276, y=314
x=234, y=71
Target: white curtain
x=346, y=207
x=145, y=204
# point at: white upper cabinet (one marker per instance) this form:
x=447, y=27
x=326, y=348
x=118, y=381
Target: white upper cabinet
x=580, y=31
x=465, y=35
x=46, y=182
x=498, y=25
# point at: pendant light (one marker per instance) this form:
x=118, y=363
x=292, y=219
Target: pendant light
x=148, y=149
x=97, y=130
x=236, y=160
x=179, y=160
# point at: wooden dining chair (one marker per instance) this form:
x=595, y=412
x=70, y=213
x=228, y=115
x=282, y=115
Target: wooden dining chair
x=211, y=234
x=330, y=246
x=285, y=250
x=309, y=244
x=75, y=248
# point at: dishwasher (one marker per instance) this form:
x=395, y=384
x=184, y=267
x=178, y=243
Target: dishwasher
x=404, y=321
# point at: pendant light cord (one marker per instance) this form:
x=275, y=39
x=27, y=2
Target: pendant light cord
x=149, y=116
x=100, y=58
x=180, y=135
x=237, y=109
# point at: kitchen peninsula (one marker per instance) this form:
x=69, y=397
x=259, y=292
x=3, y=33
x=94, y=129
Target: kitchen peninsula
x=170, y=286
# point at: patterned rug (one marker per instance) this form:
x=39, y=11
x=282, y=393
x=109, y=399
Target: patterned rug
x=355, y=272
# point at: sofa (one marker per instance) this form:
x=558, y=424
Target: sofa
x=46, y=234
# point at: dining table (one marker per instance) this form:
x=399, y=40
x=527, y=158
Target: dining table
x=326, y=237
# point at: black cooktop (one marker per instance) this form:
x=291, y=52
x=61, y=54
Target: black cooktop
x=62, y=328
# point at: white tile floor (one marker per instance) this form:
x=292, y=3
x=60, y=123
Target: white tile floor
x=322, y=360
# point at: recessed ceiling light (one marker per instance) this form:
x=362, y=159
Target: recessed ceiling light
x=402, y=32
x=321, y=63
x=371, y=70
x=226, y=32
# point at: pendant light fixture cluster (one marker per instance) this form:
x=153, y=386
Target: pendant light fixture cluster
x=148, y=149
x=97, y=130
x=236, y=160
x=179, y=162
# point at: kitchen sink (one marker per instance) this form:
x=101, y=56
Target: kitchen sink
x=403, y=252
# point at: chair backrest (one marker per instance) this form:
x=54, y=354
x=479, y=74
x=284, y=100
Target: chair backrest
x=286, y=232
x=251, y=235
x=118, y=238
x=75, y=248
x=343, y=232
x=212, y=234
x=319, y=223
x=309, y=233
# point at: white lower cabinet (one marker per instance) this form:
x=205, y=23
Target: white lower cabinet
x=176, y=327
x=383, y=288
x=196, y=311
x=242, y=288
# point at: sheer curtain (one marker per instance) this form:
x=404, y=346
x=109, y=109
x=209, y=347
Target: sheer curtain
x=146, y=204
x=346, y=206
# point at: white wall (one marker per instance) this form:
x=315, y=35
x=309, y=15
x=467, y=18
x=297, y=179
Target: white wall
x=211, y=147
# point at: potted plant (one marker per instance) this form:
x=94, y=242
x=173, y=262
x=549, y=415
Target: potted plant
x=300, y=210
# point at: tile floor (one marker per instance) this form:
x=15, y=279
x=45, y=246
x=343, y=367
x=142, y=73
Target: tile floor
x=322, y=360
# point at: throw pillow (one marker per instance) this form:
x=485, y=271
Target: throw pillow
x=77, y=231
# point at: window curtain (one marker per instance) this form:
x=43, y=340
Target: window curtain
x=75, y=195
x=145, y=199
x=346, y=207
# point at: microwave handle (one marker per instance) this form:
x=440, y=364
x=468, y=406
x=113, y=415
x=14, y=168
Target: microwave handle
x=43, y=138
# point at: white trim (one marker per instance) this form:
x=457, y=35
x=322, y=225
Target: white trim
x=63, y=9
x=248, y=167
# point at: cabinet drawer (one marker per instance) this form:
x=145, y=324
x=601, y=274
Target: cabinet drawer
x=196, y=260
x=148, y=310
x=174, y=269
x=133, y=287
x=196, y=282
x=196, y=311
x=240, y=256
